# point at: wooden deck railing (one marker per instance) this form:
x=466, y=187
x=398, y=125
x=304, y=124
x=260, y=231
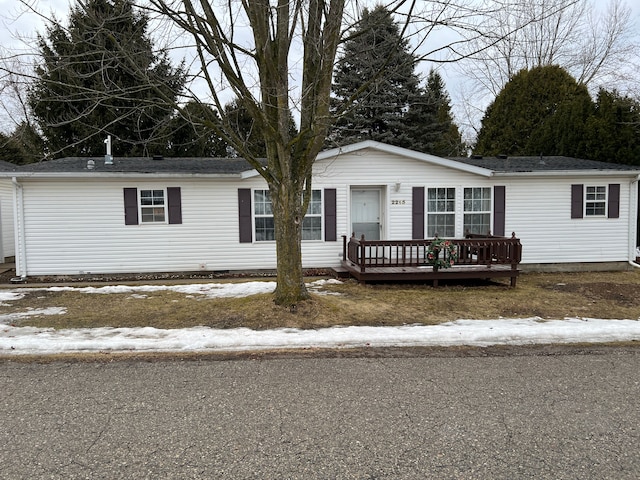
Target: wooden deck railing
x=485, y=251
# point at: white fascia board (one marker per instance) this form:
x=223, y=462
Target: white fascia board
x=249, y=174
x=571, y=173
x=404, y=152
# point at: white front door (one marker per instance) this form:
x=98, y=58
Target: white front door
x=365, y=213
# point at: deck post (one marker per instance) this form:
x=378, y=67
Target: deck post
x=344, y=248
x=363, y=251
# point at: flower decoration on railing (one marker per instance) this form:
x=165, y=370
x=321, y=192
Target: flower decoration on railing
x=442, y=253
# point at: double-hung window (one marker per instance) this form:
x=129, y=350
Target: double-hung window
x=596, y=201
x=263, y=211
x=263, y=217
x=477, y=210
x=441, y=217
x=312, y=223
x=152, y=206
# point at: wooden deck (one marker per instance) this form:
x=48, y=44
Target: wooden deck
x=479, y=257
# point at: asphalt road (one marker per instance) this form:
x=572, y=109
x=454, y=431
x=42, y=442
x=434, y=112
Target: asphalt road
x=529, y=415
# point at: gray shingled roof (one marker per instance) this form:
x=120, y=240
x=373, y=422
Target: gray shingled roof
x=541, y=164
x=141, y=165
x=235, y=166
x=7, y=167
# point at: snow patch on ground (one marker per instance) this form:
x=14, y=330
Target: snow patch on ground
x=15, y=340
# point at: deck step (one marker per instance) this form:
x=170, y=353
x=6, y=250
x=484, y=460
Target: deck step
x=340, y=272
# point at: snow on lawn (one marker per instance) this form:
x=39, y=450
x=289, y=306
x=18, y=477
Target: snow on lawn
x=33, y=340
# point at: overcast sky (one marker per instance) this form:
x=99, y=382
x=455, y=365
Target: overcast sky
x=19, y=28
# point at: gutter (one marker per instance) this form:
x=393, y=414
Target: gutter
x=565, y=173
x=633, y=221
x=18, y=222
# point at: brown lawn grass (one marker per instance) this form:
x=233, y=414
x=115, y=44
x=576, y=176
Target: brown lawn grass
x=550, y=295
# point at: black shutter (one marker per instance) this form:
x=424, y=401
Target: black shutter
x=244, y=215
x=417, y=213
x=330, y=216
x=131, y=206
x=577, y=201
x=499, y=210
x=174, y=203
x=613, y=209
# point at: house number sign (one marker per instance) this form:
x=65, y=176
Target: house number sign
x=398, y=202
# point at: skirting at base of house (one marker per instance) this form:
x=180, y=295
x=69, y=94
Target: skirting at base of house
x=576, y=267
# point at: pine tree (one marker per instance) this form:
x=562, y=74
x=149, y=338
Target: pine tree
x=21, y=146
x=429, y=121
x=376, y=60
x=238, y=118
x=99, y=77
x=190, y=133
x=542, y=111
x=395, y=108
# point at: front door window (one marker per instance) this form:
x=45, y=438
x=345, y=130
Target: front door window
x=365, y=213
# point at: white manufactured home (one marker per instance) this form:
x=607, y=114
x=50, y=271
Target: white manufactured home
x=85, y=215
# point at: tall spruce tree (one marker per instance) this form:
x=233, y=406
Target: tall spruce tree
x=238, y=117
x=542, y=111
x=377, y=65
x=430, y=127
x=101, y=76
x=190, y=133
x=392, y=105
x=23, y=145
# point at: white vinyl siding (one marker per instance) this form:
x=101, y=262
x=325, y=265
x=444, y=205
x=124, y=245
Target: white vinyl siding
x=548, y=235
x=77, y=226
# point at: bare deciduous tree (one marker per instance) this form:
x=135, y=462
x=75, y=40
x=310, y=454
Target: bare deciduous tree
x=255, y=48
x=277, y=57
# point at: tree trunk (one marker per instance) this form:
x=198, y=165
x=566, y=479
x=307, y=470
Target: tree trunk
x=288, y=215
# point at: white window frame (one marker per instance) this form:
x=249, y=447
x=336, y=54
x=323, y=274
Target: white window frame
x=155, y=207
x=449, y=211
x=473, y=211
x=263, y=210
x=595, y=201
x=314, y=211
x=267, y=212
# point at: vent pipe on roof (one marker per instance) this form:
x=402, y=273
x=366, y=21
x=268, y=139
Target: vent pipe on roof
x=108, y=159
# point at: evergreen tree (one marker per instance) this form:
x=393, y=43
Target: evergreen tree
x=614, y=129
x=394, y=108
x=190, y=133
x=237, y=117
x=542, y=111
x=378, y=64
x=429, y=121
x=22, y=146
x=99, y=77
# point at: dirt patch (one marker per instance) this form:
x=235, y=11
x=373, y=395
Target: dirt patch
x=623, y=294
